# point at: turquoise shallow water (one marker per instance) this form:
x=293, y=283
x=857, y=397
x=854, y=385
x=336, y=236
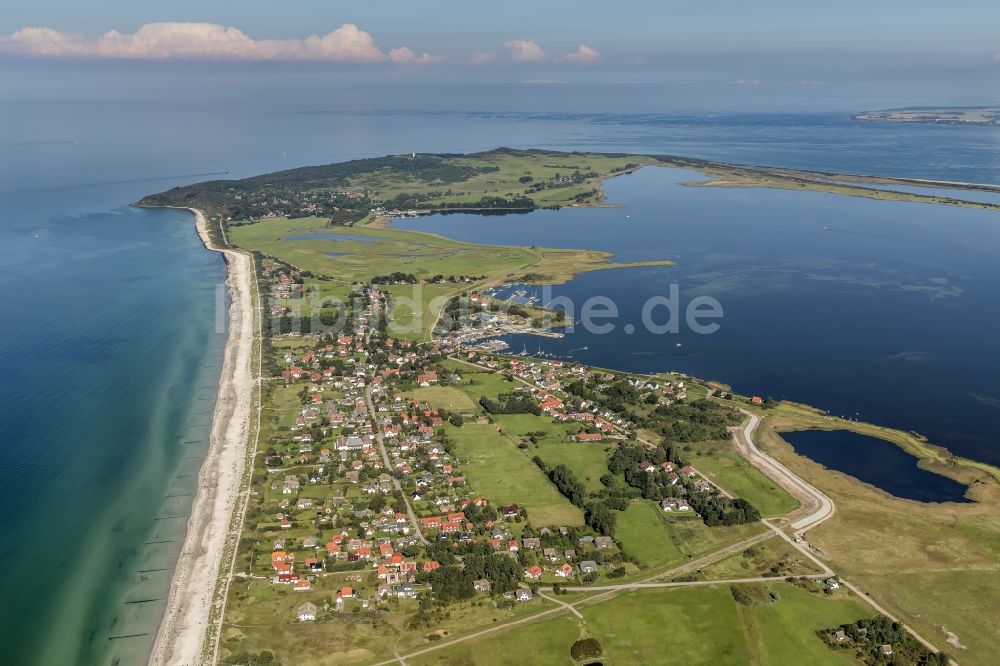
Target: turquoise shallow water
x=110, y=352
x=111, y=367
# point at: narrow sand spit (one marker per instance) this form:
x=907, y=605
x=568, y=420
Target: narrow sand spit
x=189, y=603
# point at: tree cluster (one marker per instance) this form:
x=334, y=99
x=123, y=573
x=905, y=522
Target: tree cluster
x=510, y=403
x=865, y=637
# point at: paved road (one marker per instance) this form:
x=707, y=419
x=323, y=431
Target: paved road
x=871, y=602
x=820, y=508
x=824, y=509
x=686, y=583
x=784, y=477
x=388, y=466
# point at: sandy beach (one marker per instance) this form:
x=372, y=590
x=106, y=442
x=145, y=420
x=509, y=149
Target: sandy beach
x=189, y=604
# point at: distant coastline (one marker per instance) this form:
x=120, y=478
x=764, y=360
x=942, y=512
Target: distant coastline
x=979, y=116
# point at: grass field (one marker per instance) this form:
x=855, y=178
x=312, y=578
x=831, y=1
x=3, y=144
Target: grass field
x=503, y=474
x=784, y=632
x=544, y=642
x=735, y=474
x=520, y=425
x=477, y=384
x=415, y=309
x=504, y=181
x=268, y=623
x=678, y=626
x=642, y=530
x=968, y=597
x=448, y=397
x=684, y=626
x=734, y=176
x=364, y=252
x=360, y=253
x=280, y=410
x=774, y=557
x=587, y=461
x=935, y=565
x=662, y=541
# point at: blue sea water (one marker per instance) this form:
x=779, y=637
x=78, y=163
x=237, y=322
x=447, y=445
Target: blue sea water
x=878, y=310
x=111, y=353
x=111, y=362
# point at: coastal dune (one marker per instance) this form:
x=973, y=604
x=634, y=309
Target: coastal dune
x=189, y=609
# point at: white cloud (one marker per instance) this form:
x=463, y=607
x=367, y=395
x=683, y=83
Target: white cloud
x=483, y=57
x=584, y=54
x=525, y=51
x=404, y=56
x=348, y=43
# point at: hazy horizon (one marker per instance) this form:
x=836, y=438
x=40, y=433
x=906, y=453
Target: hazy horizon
x=642, y=57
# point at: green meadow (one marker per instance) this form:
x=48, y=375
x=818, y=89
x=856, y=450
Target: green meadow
x=361, y=253
x=731, y=471
x=503, y=474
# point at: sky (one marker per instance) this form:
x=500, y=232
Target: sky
x=799, y=54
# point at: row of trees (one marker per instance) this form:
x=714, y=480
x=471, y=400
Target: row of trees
x=395, y=278
x=511, y=403
x=564, y=481
x=598, y=515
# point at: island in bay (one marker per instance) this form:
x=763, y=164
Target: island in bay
x=936, y=115
x=391, y=482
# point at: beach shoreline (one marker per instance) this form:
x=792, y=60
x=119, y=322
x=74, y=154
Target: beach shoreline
x=189, y=608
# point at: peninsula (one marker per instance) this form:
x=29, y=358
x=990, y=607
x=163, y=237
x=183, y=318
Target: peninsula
x=936, y=115
x=383, y=486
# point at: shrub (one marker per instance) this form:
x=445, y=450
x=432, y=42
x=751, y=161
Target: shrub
x=585, y=649
x=740, y=595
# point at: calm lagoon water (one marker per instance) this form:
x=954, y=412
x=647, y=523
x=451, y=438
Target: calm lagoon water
x=882, y=311
x=111, y=353
x=876, y=461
